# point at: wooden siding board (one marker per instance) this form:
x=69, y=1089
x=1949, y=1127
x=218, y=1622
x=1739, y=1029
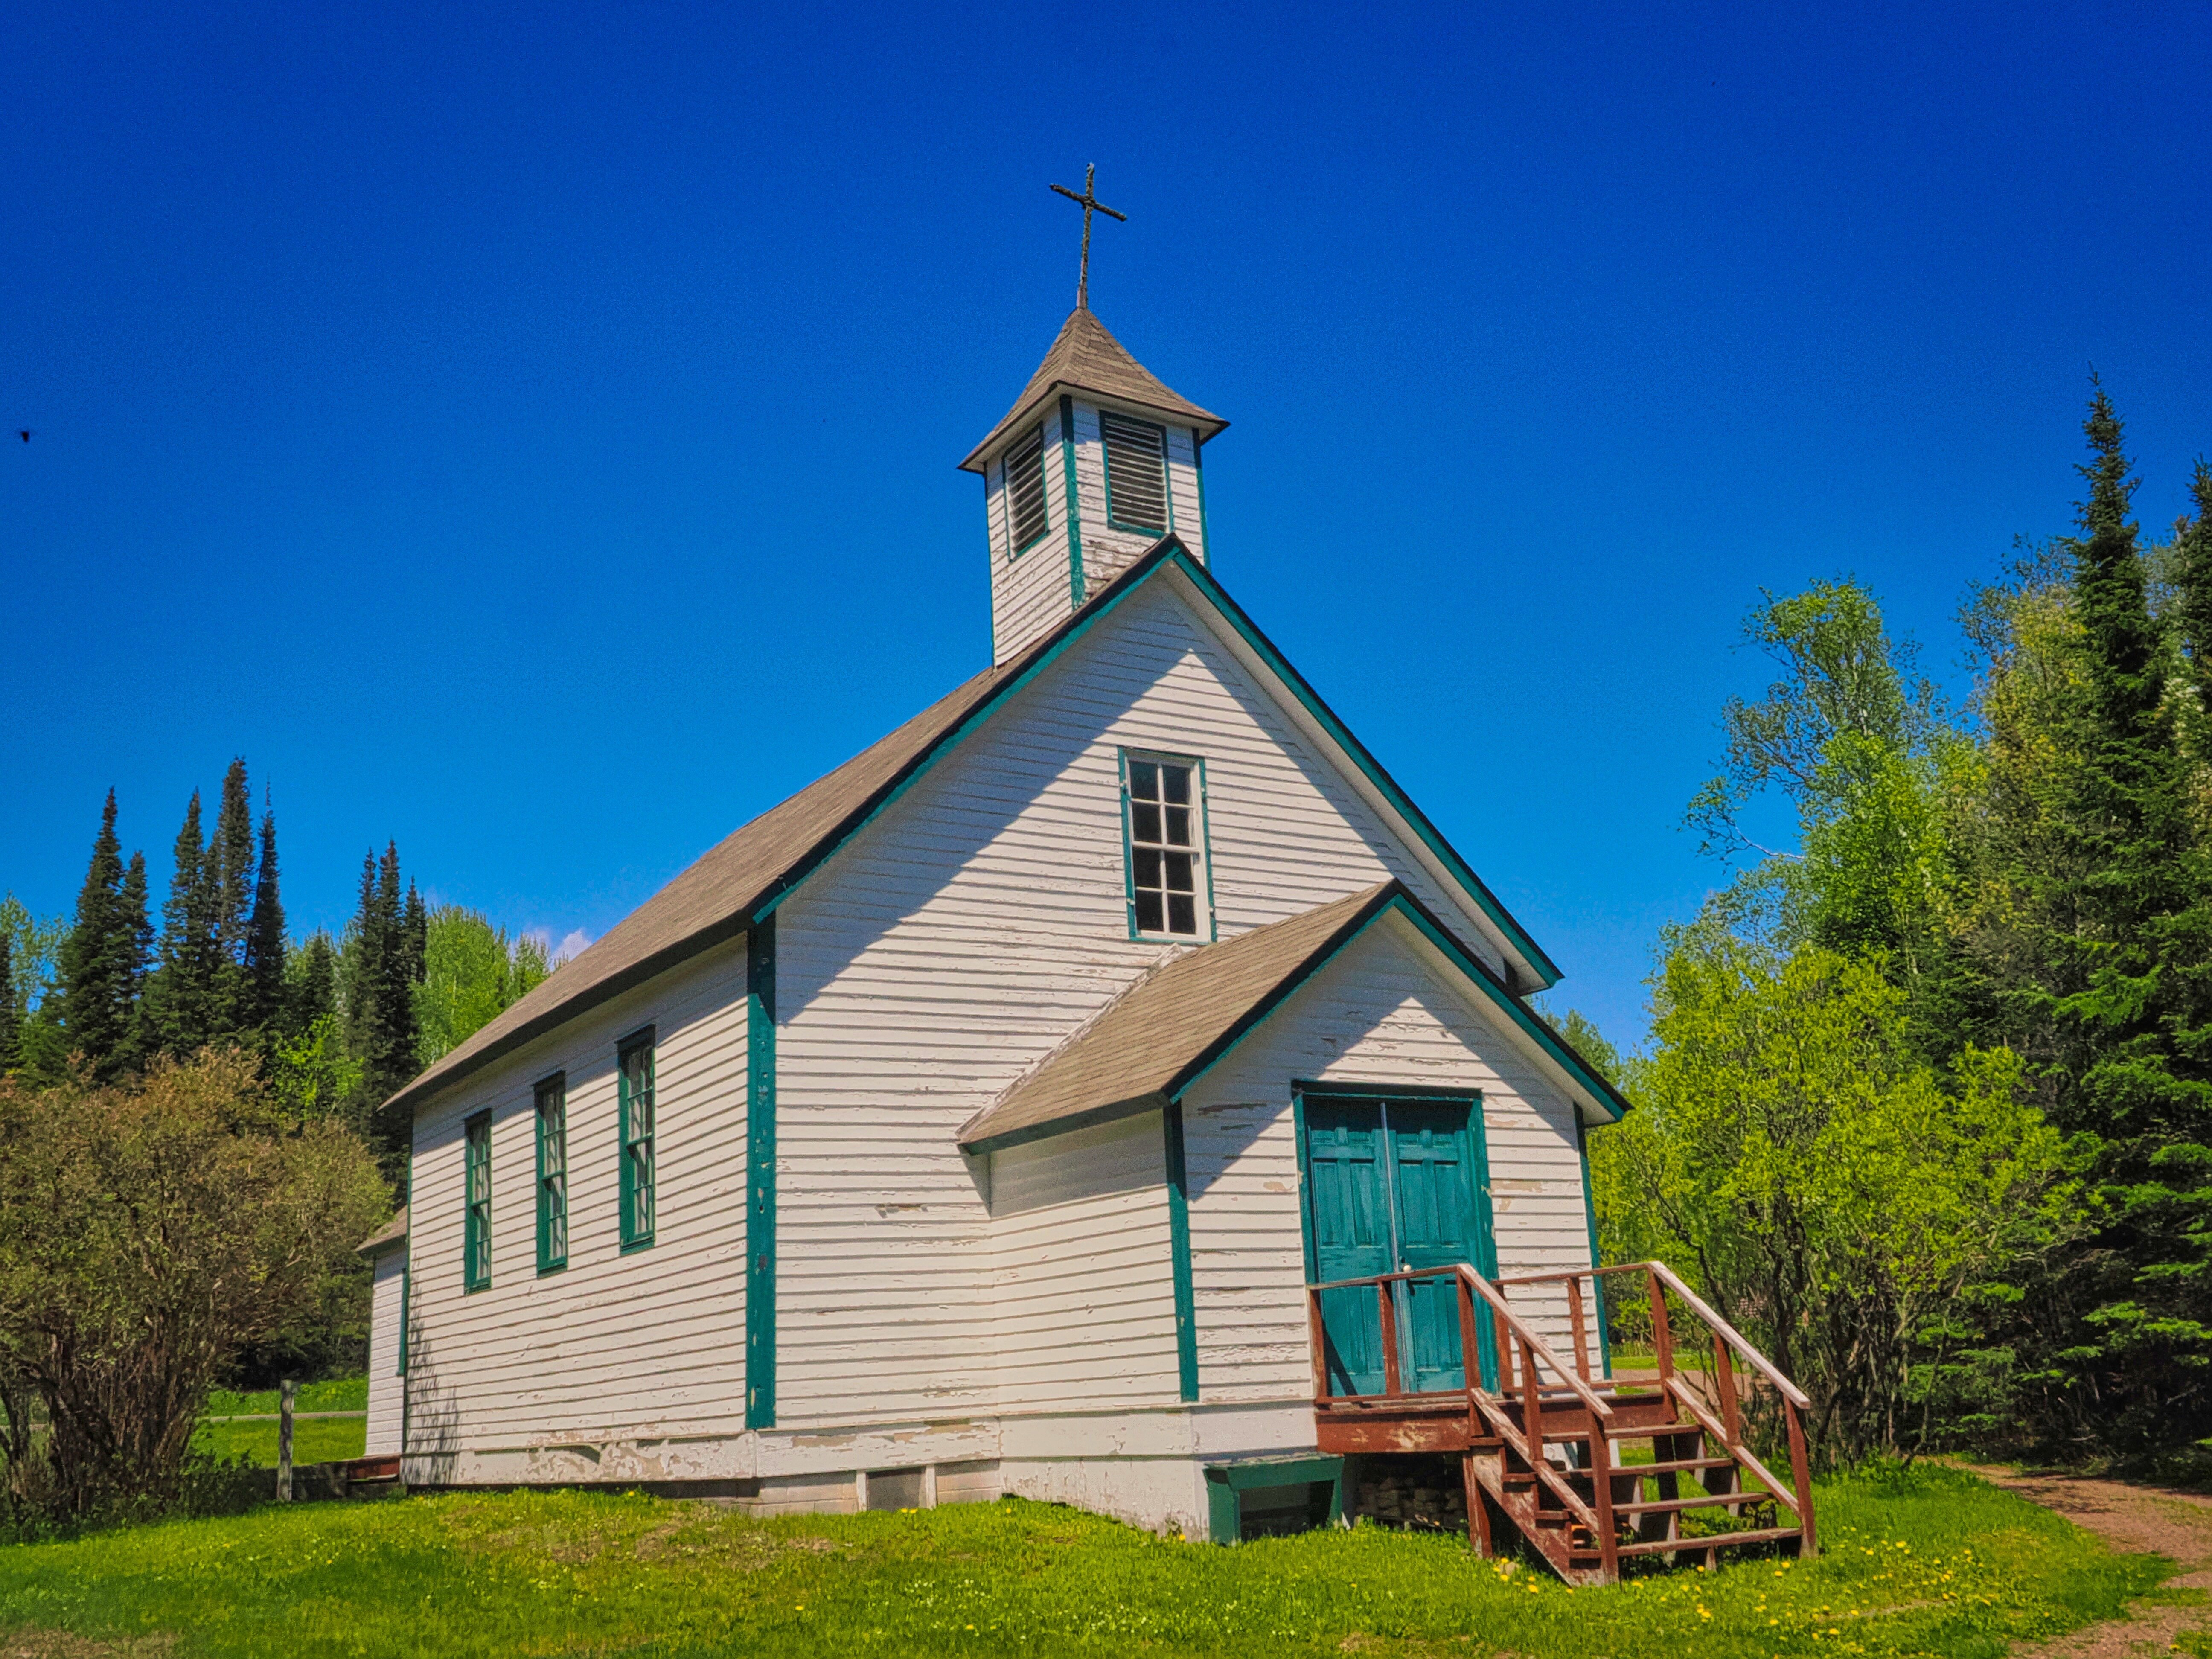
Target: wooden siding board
x=613, y=1346
x=1386, y=1011
x=386, y=1405
x=1029, y=591
x=952, y=944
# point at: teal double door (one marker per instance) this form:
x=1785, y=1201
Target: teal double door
x=1394, y=1182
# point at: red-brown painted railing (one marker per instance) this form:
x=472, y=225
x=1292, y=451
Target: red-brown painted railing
x=1524, y=1357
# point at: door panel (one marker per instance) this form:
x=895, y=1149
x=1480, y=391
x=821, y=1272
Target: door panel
x=1437, y=1227
x=1348, y=1210
x=1394, y=1184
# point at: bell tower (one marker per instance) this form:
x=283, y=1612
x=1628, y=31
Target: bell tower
x=1096, y=462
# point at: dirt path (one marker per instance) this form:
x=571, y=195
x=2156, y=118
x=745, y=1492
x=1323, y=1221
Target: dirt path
x=2134, y=1519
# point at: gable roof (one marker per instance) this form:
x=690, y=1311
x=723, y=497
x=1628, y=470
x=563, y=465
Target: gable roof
x=742, y=878
x=389, y=1236
x=1086, y=358
x=1169, y=1028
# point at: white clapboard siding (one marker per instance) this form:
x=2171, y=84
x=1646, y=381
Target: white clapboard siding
x=1082, y=1271
x=1030, y=592
x=385, y=1298
x=614, y=1346
x=1387, y=1010
x=1183, y=491
x=956, y=941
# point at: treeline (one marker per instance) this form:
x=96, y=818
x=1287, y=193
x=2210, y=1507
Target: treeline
x=337, y=1025
x=1928, y=1108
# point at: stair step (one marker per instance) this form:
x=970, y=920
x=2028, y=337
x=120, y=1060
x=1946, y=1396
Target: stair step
x=1676, y=1505
x=1712, y=1540
x=1672, y=1466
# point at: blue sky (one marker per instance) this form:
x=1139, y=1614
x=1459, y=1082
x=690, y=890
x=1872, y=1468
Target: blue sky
x=529, y=434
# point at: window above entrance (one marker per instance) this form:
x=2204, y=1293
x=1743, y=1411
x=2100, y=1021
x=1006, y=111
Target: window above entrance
x=1163, y=829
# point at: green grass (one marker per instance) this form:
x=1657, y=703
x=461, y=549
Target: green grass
x=314, y=1440
x=343, y=1393
x=1935, y=1563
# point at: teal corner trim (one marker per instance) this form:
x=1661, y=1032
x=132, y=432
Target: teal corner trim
x=1198, y=466
x=1186, y=1307
x=760, y=1164
x=1074, y=513
x=1305, y=1182
x=1590, y=1214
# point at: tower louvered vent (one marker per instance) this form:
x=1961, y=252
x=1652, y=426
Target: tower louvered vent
x=1025, y=488
x=1136, y=472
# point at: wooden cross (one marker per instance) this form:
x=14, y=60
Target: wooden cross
x=1088, y=203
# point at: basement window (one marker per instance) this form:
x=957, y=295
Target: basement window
x=1136, y=473
x=1163, y=825
x=1026, y=515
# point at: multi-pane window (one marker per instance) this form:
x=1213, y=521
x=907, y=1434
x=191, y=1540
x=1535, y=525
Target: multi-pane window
x=1136, y=472
x=635, y=1078
x=552, y=1173
x=1025, y=507
x=1166, y=845
x=475, y=1243
x=401, y=1368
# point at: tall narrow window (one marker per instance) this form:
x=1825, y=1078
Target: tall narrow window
x=405, y=1272
x=1136, y=472
x=636, y=1088
x=552, y=1173
x=476, y=1244
x=1025, y=507
x=1167, y=839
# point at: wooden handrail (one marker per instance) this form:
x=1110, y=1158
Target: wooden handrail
x=1533, y=1346
x=1698, y=1305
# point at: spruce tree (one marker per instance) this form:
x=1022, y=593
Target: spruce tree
x=311, y=976
x=99, y=965
x=179, y=997
x=263, y=957
x=135, y=937
x=227, y=873
x=11, y=1012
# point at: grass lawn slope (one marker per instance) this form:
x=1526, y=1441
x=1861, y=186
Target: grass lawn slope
x=1933, y=1563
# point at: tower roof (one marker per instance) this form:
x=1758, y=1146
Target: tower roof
x=1086, y=358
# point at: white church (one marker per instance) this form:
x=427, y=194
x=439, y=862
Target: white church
x=976, y=1121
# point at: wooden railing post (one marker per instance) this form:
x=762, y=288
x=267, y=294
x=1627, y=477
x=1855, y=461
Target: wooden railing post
x=1724, y=1385
x=1601, y=1462
x=1801, y=1476
x=1662, y=1337
x=1470, y=1357
x=1575, y=1321
x=1532, y=1402
x=1387, y=1312
x=1318, y=1333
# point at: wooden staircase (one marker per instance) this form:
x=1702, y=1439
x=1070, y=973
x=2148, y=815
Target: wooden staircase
x=1590, y=1470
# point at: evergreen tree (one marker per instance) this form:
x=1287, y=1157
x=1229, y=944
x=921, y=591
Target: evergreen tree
x=102, y=959
x=264, y=956
x=135, y=936
x=385, y=949
x=11, y=1012
x=180, y=1011
x=311, y=982
x=227, y=872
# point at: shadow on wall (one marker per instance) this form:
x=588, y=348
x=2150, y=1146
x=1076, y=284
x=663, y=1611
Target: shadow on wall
x=431, y=1414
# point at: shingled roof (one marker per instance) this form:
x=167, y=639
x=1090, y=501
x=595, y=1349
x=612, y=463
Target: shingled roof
x=717, y=898
x=389, y=1236
x=1086, y=358
x=1162, y=1033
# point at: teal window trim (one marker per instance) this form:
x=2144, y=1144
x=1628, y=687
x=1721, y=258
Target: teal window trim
x=1006, y=495
x=637, y=1139
x=1198, y=467
x=476, y=1201
x=549, y=1100
x=406, y=1279
x=1186, y=1307
x=1167, y=478
x=1589, y=1215
x=1074, y=512
x=1202, y=844
x=759, y=1167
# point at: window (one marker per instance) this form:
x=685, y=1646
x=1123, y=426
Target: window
x=476, y=1261
x=552, y=1173
x=401, y=1368
x=1167, y=835
x=1136, y=473
x=635, y=1081
x=1025, y=507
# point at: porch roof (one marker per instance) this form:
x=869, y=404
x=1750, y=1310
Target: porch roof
x=1161, y=1035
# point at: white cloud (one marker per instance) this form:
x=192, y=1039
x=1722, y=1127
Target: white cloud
x=572, y=947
